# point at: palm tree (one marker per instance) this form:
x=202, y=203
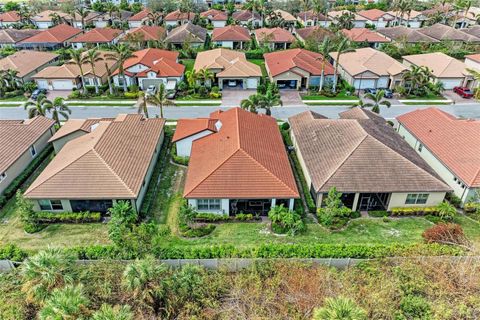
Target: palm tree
x=206, y=75
x=83, y=13
x=192, y=77
x=56, y=19
x=377, y=101
x=11, y=77
x=91, y=57
x=107, y=312
x=59, y=108
x=343, y=47
x=305, y=6
x=160, y=99
x=476, y=76
x=417, y=76
x=45, y=271
x=121, y=53
x=325, y=49
x=339, y=309
x=268, y=100
x=65, y=303
x=39, y=107
x=77, y=59
x=252, y=6
x=251, y=104
x=142, y=105
x=111, y=9
x=109, y=73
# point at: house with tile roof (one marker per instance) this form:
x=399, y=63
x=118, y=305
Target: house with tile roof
x=217, y=18
x=369, y=68
x=443, y=32
x=311, y=18
x=105, y=20
x=20, y=142
x=358, y=20
x=189, y=130
x=402, y=34
x=288, y=18
x=241, y=167
x=445, y=69
x=97, y=37
x=412, y=19
x=188, y=32
x=363, y=157
x=473, y=61
x=297, y=68
x=472, y=30
x=44, y=20
x=78, y=22
x=274, y=38
x=139, y=19
x=178, y=18
x=364, y=35
x=230, y=68
x=9, y=18
x=245, y=18
x=113, y=162
x=51, y=39
x=151, y=67
x=11, y=37
x=232, y=36
x=377, y=17
x=143, y=35
x=27, y=63
x=448, y=144
x=314, y=34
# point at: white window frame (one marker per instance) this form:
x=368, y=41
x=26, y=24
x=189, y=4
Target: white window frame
x=58, y=204
x=3, y=176
x=417, y=198
x=209, y=204
x=33, y=151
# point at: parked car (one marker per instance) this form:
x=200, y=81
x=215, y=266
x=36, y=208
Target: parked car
x=171, y=94
x=232, y=83
x=387, y=93
x=370, y=90
x=463, y=92
x=151, y=90
x=38, y=92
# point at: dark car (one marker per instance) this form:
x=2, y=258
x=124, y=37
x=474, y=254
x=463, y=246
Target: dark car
x=387, y=93
x=370, y=90
x=38, y=92
x=463, y=92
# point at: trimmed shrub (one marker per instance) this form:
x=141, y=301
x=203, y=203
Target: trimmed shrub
x=445, y=233
x=286, y=221
x=12, y=252
x=197, y=231
x=378, y=214
x=244, y=217
x=210, y=217
x=285, y=126
x=177, y=159
x=254, y=54
x=68, y=217
x=454, y=200
x=472, y=207
x=185, y=217
x=414, y=211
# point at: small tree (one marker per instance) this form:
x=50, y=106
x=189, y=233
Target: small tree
x=27, y=215
x=446, y=211
x=334, y=212
x=339, y=309
x=286, y=221
x=122, y=222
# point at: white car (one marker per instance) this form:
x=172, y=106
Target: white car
x=232, y=83
x=151, y=90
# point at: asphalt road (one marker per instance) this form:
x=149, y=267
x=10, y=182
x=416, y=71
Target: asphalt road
x=471, y=110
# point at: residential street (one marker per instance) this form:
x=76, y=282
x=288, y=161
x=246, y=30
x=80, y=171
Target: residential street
x=471, y=110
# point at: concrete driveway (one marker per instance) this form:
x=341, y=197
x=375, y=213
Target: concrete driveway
x=291, y=98
x=449, y=94
x=52, y=94
x=232, y=98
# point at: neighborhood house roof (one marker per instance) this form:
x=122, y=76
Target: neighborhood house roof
x=16, y=137
x=46, y=16
x=26, y=61
x=336, y=14
x=443, y=32
x=142, y=15
x=187, y=32
x=74, y=125
x=146, y=33
x=10, y=16
x=162, y=62
x=364, y=35
x=360, y=152
x=283, y=61
x=188, y=127
x=231, y=33
x=110, y=162
x=231, y=63
x=453, y=141
x=312, y=15
x=441, y=65
x=214, y=15
x=57, y=34
x=475, y=57
x=369, y=60
x=274, y=35
x=287, y=16
x=405, y=16
x=375, y=14
x=245, y=159
x=178, y=15
x=90, y=16
x=472, y=30
x=315, y=33
x=98, y=35
x=402, y=33
x=12, y=36
x=245, y=15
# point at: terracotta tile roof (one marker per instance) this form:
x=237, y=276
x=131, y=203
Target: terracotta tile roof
x=287, y=16
x=475, y=57
x=405, y=16
x=162, y=62
x=149, y=33
x=57, y=34
x=231, y=33
x=46, y=16
x=440, y=64
x=312, y=15
x=402, y=33
x=245, y=15
x=453, y=141
x=231, y=63
x=73, y=125
x=16, y=137
x=369, y=60
x=110, y=162
x=178, y=15
x=282, y=61
x=142, y=15
x=90, y=17
x=364, y=35
x=315, y=33
x=26, y=61
x=98, y=35
x=10, y=16
x=188, y=31
x=214, y=15
x=442, y=32
x=188, y=127
x=438, y=8
x=245, y=159
x=340, y=153
x=274, y=35
x=336, y=14
x=375, y=14
x=12, y=36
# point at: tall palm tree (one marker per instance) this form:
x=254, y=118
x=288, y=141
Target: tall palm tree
x=83, y=13
x=77, y=59
x=160, y=99
x=142, y=105
x=268, y=100
x=416, y=76
x=39, y=107
x=56, y=19
x=252, y=6
x=107, y=312
x=343, y=47
x=91, y=57
x=325, y=49
x=59, y=108
x=192, y=77
x=339, y=309
x=111, y=9
x=65, y=303
x=43, y=272
x=377, y=101
x=251, y=104
x=121, y=53
x=305, y=7
x=105, y=60
x=206, y=75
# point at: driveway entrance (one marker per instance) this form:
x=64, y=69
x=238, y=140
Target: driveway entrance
x=232, y=98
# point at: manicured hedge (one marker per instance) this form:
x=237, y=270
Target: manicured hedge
x=471, y=207
x=177, y=159
x=213, y=217
x=378, y=214
x=45, y=217
x=414, y=211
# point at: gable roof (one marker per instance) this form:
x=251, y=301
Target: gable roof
x=440, y=64
x=214, y=15
x=231, y=63
x=453, y=141
x=58, y=34
x=188, y=127
x=231, y=33
x=140, y=16
x=360, y=152
x=98, y=35
x=364, y=35
x=74, y=125
x=413, y=14
x=148, y=33
x=91, y=15
x=472, y=30
x=12, y=36
x=16, y=137
x=245, y=159
x=315, y=33
x=368, y=59
x=110, y=162
x=402, y=33
x=10, y=16
x=443, y=32
x=245, y=15
x=312, y=15
x=375, y=14
x=26, y=61
x=287, y=16
x=282, y=61
x=274, y=35
x=46, y=16
x=187, y=31
x=162, y=62
x=178, y=15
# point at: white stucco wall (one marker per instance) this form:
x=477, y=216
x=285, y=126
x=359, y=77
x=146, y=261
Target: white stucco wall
x=219, y=24
x=184, y=146
x=398, y=200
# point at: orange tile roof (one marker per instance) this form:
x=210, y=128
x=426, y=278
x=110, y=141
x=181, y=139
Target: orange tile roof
x=149, y=32
x=475, y=57
x=274, y=35
x=374, y=14
x=140, y=16
x=188, y=127
x=46, y=16
x=245, y=159
x=178, y=15
x=281, y=61
x=57, y=34
x=245, y=15
x=10, y=16
x=231, y=33
x=110, y=162
x=455, y=142
x=98, y=35
x=364, y=35
x=214, y=15
x=74, y=125
x=162, y=62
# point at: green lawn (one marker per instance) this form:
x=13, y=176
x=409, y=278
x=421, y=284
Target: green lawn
x=79, y=104
x=212, y=104
x=10, y=105
x=340, y=96
x=17, y=98
x=188, y=63
x=261, y=63
x=320, y=103
x=425, y=103
x=428, y=97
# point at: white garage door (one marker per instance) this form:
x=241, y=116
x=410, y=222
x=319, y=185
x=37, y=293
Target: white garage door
x=450, y=83
x=62, y=85
x=364, y=83
x=42, y=84
x=252, y=83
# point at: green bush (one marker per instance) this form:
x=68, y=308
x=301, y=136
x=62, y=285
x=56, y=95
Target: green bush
x=12, y=252
x=286, y=221
x=45, y=217
x=244, y=217
x=254, y=54
x=454, y=200
x=185, y=217
x=472, y=207
x=378, y=214
x=197, y=231
x=285, y=126
x=414, y=307
x=212, y=217
x=414, y=211
x=131, y=95
x=334, y=214
x=177, y=159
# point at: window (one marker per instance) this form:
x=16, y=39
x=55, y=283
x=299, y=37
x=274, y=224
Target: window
x=420, y=147
x=208, y=204
x=33, y=152
x=416, y=198
x=3, y=176
x=47, y=205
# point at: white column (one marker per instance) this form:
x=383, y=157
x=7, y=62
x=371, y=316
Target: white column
x=355, y=201
x=274, y=202
x=290, y=204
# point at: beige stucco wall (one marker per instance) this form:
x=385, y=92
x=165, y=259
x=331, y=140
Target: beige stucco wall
x=65, y=204
x=59, y=143
x=398, y=200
